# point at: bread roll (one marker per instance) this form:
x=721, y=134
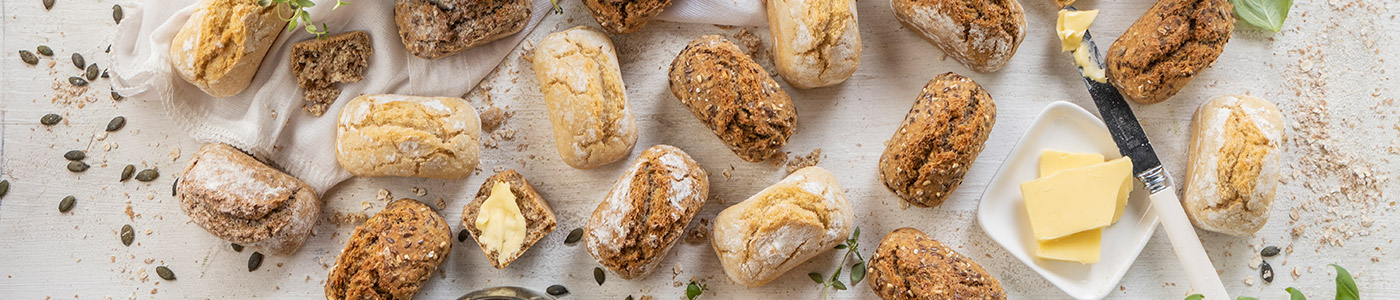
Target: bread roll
x=646, y=212
x=982, y=35
x=533, y=211
x=239, y=199
x=781, y=227
x=578, y=74
x=1234, y=167
x=816, y=43
x=221, y=46
x=1171, y=43
x=734, y=97
x=624, y=16
x=910, y=265
x=392, y=255
x=940, y=138
x=440, y=28
x=408, y=136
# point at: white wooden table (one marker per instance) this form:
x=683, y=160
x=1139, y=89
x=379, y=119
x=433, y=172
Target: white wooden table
x=1350, y=44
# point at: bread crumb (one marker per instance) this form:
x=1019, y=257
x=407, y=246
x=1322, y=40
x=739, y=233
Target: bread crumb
x=799, y=162
x=778, y=158
x=698, y=233
x=441, y=204
x=384, y=196
x=492, y=118
x=354, y=218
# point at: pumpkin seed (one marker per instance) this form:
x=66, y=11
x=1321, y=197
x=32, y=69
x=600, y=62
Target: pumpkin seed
x=462, y=235
x=117, y=13
x=598, y=275
x=4, y=188
x=45, y=50
x=104, y=74
x=174, y=185
x=255, y=261
x=629, y=297
x=77, y=166
x=78, y=81
x=79, y=61
x=48, y=4
x=1266, y=271
x=116, y=123
x=1269, y=251
x=128, y=234
x=67, y=204
x=92, y=72
x=128, y=171
x=237, y=247
x=50, y=119
x=556, y=290
x=165, y=273
x=116, y=96
x=75, y=155
x=574, y=236
x=28, y=57
x=147, y=175
x=109, y=48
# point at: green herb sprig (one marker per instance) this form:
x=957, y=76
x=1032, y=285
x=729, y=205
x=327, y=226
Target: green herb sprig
x=300, y=15
x=1346, y=289
x=1267, y=14
x=557, y=10
x=694, y=290
x=852, y=247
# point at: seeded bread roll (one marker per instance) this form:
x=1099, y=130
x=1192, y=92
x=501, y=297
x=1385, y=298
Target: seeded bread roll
x=578, y=74
x=782, y=226
x=440, y=28
x=221, y=46
x=535, y=212
x=816, y=43
x=239, y=199
x=1233, y=167
x=646, y=212
x=1167, y=46
x=982, y=35
x=320, y=64
x=392, y=255
x=940, y=138
x=734, y=97
x=396, y=135
x=624, y=16
x=910, y=265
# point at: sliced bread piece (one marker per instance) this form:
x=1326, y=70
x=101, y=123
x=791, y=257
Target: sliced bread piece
x=507, y=217
x=319, y=64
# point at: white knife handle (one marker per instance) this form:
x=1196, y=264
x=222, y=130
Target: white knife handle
x=1199, y=269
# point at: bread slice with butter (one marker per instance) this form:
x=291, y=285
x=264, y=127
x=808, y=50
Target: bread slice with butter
x=507, y=217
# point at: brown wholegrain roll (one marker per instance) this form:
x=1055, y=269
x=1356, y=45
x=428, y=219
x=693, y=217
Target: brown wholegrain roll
x=320, y=64
x=239, y=199
x=439, y=28
x=940, y=138
x=910, y=265
x=1167, y=46
x=624, y=16
x=392, y=255
x=734, y=97
x=646, y=212
x=538, y=218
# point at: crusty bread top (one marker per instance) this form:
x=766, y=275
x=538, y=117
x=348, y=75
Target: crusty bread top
x=647, y=211
x=815, y=42
x=237, y=198
x=539, y=218
x=782, y=226
x=939, y=139
x=588, y=107
x=983, y=35
x=392, y=255
x=439, y=28
x=1172, y=42
x=396, y=135
x=624, y=16
x=223, y=42
x=910, y=265
x=734, y=96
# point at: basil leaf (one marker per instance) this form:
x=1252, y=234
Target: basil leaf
x=1267, y=14
x=1295, y=294
x=1346, y=286
x=1195, y=297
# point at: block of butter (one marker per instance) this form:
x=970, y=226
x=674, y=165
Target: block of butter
x=1082, y=247
x=1052, y=161
x=1075, y=200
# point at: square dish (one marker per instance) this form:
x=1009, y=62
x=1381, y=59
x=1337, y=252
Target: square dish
x=1002, y=213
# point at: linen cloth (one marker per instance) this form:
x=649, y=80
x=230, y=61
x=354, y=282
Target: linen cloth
x=266, y=119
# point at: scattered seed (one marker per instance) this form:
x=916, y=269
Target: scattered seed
x=1266, y=271
x=104, y=74
x=116, y=123
x=574, y=236
x=4, y=188
x=598, y=275
x=629, y=297
x=173, y=185
x=128, y=234
x=75, y=155
x=48, y=4
x=147, y=175
x=116, y=96
x=78, y=81
x=45, y=50
x=77, y=166
x=165, y=273
x=237, y=247
x=255, y=261
x=28, y=57
x=128, y=171
x=79, y=61
x=92, y=72
x=462, y=235
x=1269, y=251
x=556, y=290
x=117, y=13
x=50, y=119
x=67, y=204
x=109, y=48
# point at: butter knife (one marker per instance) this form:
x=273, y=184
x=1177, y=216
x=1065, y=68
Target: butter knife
x=1132, y=142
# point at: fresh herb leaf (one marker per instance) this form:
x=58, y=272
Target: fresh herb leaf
x=857, y=272
x=852, y=247
x=557, y=10
x=1195, y=297
x=840, y=246
x=1246, y=298
x=694, y=290
x=300, y=15
x=838, y=285
x=816, y=277
x=1267, y=14
x=1346, y=286
x=1295, y=294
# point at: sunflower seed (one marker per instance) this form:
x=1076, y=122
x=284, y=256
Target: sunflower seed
x=117, y=13
x=48, y=4
x=237, y=247
x=79, y=61
x=147, y=175
x=78, y=81
x=116, y=96
x=128, y=234
x=4, y=188
x=574, y=236
x=128, y=171
x=116, y=123
x=598, y=275
x=50, y=119
x=75, y=155
x=92, y=72
x=67, y=204
x=1266, y=271
x=28, y=57
x=255, y=261
x=45, y=50
x=1269, y=251
x=77, y=166
x=556, y=290
x=165, y=273
x=462, y=235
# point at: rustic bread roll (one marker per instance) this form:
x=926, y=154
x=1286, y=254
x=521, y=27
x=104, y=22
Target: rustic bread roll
x=1167, y=46
x=396, y=135
x=781, y=227
x=647, y=211
x=529, y=222
x=439, y=28
x=239, y=199
x=816, y=43
x=1233, y=167
x=221, y=46
x=624, y=16
x=391, y=255
x=733, y=96
x=982, y=35
x=578, y=74
x=940, y=138
x=910, y=265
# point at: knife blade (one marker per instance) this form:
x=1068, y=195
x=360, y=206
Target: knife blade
x=1133, y=143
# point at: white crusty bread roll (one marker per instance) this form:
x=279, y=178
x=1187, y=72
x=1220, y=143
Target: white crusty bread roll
x=816, y=43
x=582, y=86
x=408, y=136
x=1233, y=168
x=982, y=35
x=781, y=227
x=221, y=46
x=646, y=212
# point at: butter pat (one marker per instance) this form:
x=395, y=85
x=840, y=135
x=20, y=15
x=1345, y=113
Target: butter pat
x=1071, y=25
x=501, y=223
x=1087, y=66
x=1054, y=161
x=1075, y=200
x=1080, y=247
